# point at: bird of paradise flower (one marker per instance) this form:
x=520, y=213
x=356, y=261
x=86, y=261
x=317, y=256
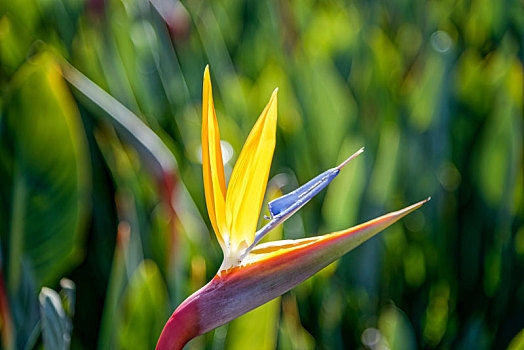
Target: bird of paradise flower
x=251, y=274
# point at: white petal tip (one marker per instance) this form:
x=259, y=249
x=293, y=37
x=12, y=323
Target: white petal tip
x=422, y=202
x=344, y=163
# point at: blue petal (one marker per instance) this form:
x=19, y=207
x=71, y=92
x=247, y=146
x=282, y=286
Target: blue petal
x=283, y=207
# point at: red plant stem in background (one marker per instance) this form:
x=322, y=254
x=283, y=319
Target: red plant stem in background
x=96, y=6
x=6, y=327
x=168, y=188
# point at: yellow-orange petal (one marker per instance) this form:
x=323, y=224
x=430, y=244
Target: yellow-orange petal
x=213, y=168
x=248, y=181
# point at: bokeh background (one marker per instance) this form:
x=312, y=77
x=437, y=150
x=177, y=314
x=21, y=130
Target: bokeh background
x=101, y=192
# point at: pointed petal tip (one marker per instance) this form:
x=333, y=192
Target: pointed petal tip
x=419, y=204
x=207, y=77
x=273, y=98
x=344, y=163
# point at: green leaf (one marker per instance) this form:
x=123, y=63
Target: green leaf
x=150, y=147
x=342, y=202
x=51, y=173
x=383, y=179
x=397, y=330
x=24, y=310
x=144, y=308
x=292, y=334
x=116, y=285
x=517, y=342
x=256, y=330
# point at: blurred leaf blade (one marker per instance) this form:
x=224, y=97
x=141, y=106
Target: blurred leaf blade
x=143, y=309
x=53, y=179
x=141, y=136
x=257, y=329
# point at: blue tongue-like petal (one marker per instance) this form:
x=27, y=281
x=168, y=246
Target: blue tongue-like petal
x=285, y=206
x=295, y=199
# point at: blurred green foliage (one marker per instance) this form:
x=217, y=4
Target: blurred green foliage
x=432, y=89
